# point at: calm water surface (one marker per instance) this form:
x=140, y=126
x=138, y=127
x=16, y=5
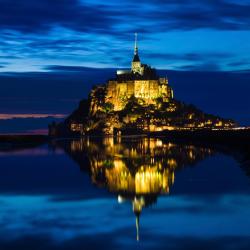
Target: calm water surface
x=128, y=194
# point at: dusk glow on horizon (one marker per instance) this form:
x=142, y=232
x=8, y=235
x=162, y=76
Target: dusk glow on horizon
x=18, y=116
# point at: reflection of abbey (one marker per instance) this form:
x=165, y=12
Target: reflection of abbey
x=144, y=166
x=141, y=82
x=137, y=170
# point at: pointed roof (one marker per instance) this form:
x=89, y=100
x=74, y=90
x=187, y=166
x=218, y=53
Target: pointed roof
x=136, y=56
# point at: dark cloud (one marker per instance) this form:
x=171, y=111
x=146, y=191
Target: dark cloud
x=108, y=18
x=204, y=67
x=88, y=32
x=190, y=14
x=239, y=63
x=59, y=44
x=190, y=56
x=64, y=69
x=40, y=16
x=9, y=57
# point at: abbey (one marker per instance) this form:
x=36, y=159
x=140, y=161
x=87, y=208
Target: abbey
x=135, y=101
x=141, y=82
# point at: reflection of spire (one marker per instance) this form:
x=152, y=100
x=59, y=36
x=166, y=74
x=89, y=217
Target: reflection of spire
x=137, y=222
x=138, y=204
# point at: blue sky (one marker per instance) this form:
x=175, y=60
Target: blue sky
x=178, y=35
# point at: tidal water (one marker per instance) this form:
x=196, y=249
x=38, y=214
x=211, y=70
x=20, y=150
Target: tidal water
x=133, y=193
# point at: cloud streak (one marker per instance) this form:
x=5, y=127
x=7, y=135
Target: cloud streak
x=41, y=16
x=25, y=116
x=97, y=34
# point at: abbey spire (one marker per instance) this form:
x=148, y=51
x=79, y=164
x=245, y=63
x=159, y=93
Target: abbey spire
x=136, y=47
x=136, y=68
x=136, y=55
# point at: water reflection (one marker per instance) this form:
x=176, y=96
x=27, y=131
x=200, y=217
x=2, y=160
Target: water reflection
x=47, y=203
x=136, y=170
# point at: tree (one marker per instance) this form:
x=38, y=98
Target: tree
x=132, y=104
x=108, y=107
x=159, y=102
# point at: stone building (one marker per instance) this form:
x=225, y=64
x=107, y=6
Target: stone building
x=141, y=82
x=136, y=101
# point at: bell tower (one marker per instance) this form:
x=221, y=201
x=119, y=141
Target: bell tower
x=136, y=63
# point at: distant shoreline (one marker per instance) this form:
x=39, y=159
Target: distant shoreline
x=235, y=137
x=16, y=141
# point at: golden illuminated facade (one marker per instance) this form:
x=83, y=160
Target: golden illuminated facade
x=118, y=92
x=140, y=82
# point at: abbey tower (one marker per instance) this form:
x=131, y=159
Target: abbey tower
x=136, y=66
x=141, y=82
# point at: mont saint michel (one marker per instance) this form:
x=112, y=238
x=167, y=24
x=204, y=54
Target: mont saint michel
x=135, y=101
x=112, y=139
